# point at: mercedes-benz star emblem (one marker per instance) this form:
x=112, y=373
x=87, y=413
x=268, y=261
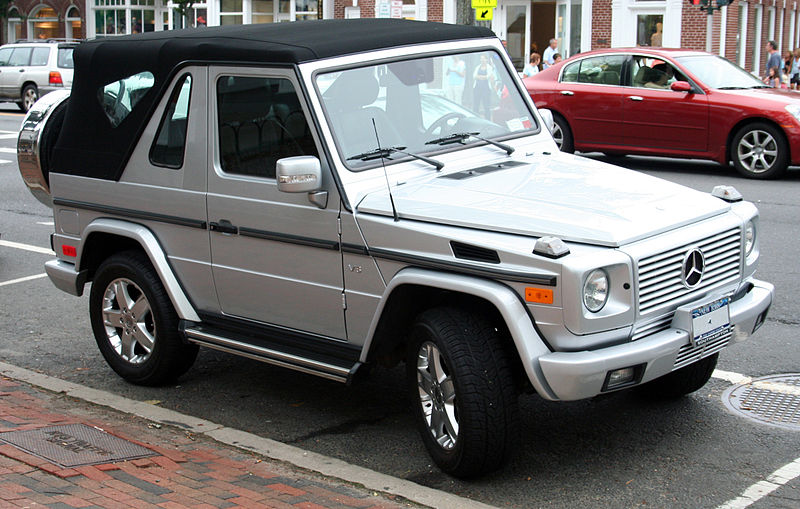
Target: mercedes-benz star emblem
x=693, y=265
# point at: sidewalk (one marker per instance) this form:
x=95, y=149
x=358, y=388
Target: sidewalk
x=188, y=470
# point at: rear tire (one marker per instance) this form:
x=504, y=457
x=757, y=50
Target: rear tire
x=134, y=323
x=683, y=381
x=29, y=96
x=461, y=384
x=562, y=134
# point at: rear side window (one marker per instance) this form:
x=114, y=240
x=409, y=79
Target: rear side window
x=65, y=58
x=259, y=121
x=5, y=55
x=40, y=56
x=20, y=56
x=120, y=97
x=170, y=143
x=600, y=70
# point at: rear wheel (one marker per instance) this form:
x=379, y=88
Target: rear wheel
x=461, y=384
x=683, y=381
x=30, y=94
x=134, y=323
x=562, y=134
x=759, y=151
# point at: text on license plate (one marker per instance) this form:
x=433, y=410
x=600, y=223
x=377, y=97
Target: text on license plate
x=710, y=321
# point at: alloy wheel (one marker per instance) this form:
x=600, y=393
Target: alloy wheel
x=437, y=395
x=128, y=319
x=757, y=151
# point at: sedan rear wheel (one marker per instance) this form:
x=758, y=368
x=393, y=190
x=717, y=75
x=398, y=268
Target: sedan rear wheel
x=759, y=151
x=562, y=134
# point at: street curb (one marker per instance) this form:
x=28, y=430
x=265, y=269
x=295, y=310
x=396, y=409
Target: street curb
x=327, y=466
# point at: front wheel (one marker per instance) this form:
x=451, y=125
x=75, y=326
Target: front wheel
x=759, y=151
x=134, y=323
x=562, y=134
x=462, y=388
x=30, y=94
x=682, y=381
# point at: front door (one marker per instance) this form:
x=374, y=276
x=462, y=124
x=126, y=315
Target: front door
x=275, y=256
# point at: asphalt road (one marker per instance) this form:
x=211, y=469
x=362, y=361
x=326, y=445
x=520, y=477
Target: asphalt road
x=619, y=450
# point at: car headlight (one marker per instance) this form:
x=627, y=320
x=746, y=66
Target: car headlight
x=595, y=290
x=794, y=109
x=749, y=238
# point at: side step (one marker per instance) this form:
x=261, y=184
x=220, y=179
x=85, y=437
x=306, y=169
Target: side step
x=336, y=362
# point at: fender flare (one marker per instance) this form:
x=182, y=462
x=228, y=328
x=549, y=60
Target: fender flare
x=528, y=343
x=145, y=238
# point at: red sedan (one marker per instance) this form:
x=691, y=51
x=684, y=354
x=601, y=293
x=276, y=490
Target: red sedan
x=674, y=103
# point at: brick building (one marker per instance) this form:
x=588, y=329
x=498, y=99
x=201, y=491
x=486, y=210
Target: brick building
x=738, y=31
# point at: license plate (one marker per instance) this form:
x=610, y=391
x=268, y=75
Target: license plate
x=710, y=321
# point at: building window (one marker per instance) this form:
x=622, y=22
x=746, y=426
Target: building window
x=264, y=11
x=231, y=12
x=758, y=14
x=72, y=21
x=649, y=29
x=43, y=24
x=14, y=25
x=741, y=35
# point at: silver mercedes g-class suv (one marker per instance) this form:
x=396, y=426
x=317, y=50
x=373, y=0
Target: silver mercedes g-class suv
x=326, y=195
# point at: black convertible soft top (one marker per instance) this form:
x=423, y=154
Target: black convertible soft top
x=89, y=146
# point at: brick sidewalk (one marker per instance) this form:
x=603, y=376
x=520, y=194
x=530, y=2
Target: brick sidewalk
x=188, y=471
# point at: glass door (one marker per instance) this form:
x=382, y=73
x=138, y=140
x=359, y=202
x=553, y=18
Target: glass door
x=514, y=28
x=568, y=27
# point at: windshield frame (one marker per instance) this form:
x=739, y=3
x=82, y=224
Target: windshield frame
x=400, y=55
x=683, y=59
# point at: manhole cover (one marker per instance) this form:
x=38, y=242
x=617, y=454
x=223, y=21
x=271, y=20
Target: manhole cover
x=74, y=445
x=773, y=400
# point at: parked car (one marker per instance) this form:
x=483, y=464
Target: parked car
x=671, y=102
x=29, y=70
x=303, y=194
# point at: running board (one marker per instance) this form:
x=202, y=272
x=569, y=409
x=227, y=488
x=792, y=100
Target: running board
x=342, y=371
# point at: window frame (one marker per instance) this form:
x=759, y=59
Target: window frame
x=169, y=111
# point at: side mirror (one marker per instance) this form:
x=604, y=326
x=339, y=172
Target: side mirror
x=547, y=118
x=681, y=86
x=298, y=174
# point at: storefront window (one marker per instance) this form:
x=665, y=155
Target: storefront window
x=231, y=12
x=263, y=11
x=305, y=9
x=44, y=24
x=73, y=24
x=649, y=29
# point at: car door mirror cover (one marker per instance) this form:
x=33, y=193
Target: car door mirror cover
x=299, y=174
x=681, y=86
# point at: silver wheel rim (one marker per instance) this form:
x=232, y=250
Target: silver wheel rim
x=128, y=321
x=29, y=99
x=757, y=151
x=558, y=135
x=437, y=395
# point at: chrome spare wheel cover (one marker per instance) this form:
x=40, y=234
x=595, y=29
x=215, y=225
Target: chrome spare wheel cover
x=437, y=395
x=128, y=320
x=757, y=151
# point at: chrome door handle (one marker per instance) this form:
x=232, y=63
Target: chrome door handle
x=567, y=92
x=636, y=98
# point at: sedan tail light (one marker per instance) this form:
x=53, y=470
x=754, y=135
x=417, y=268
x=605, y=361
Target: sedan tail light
x=55, y=78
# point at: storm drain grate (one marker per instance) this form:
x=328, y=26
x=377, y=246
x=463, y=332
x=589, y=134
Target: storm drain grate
x=74, y=445
x=773, y=400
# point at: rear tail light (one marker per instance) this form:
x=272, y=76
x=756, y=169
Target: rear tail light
x=55, y=78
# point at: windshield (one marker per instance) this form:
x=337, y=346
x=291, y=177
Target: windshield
x=717, y=72
x=409, y=105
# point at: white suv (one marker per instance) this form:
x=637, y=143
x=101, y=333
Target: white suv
x=29, y=70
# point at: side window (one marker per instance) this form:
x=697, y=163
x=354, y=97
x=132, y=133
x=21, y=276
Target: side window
x=601, y=70
x=570, y=74
x=259, y=121
x=40, y=56
x=170, y=143
x=65, y=58
x=120, y=97
x=654, y=73
x=20, y=57
x=5, y=55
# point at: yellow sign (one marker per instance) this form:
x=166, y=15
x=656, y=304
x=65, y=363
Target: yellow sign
x=478, y=4
x=484, y=14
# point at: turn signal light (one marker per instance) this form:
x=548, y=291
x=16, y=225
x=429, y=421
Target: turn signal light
x=55, y=78
x=69, y=251
x=539, y=295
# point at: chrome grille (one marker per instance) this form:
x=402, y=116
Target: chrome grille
x=660, y=284
x=689, y=354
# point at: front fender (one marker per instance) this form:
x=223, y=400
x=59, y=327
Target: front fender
x=529, y=344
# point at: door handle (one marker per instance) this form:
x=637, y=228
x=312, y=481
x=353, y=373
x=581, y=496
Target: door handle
x=224, y=226
x=567, y=92
x=636, y=98
x=22, y=70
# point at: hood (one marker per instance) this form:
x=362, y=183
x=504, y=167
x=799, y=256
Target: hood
x=779, y=96
x=570, y=197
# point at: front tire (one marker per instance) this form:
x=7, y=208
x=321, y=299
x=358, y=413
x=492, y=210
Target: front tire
x=759, y=151
x=134, y=323
x=29, y=96
x=683, y=381
x=562, y=134
x=461, y=384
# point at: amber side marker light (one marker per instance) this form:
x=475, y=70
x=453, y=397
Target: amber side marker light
x=539, y=295
x=69, y=251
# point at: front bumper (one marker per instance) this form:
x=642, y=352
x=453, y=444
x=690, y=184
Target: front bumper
x=579, y=375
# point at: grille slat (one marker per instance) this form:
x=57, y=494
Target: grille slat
x=660, y=283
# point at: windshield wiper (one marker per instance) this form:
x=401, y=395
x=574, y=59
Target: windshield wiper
x=384, y=153
x=761, y=86
x=732, y=88
x=460, y=137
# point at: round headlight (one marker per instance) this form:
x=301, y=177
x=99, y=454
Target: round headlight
x=749, y=238
x=595, y=290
